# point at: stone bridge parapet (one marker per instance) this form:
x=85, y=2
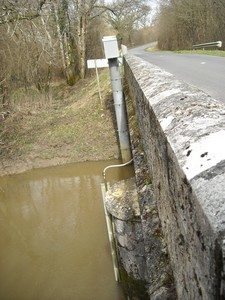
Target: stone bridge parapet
x=183, y=134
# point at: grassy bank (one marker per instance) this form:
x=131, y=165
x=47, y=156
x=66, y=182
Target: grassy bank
x=197, y=51
x=204, y=52
x=70, y=125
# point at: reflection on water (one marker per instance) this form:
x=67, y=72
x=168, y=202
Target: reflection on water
x=53, y=240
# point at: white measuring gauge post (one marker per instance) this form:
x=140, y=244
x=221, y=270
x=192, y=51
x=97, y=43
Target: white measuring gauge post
x=95, y=64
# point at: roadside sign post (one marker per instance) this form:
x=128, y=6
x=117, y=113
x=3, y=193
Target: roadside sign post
x=95, y=64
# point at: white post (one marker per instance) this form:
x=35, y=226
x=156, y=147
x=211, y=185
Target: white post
x=99, y=88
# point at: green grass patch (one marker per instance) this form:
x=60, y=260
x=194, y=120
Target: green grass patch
x=204, y=52
x=153, y=49
x=195, y=51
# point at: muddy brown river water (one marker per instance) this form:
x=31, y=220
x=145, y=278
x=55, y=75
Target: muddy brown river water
x=53, y=238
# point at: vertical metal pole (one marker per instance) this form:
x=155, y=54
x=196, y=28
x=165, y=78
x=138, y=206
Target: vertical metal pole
x=112, y=241
x=97, y=77
x=120, y=110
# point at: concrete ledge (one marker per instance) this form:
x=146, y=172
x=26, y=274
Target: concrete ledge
x=183, y=132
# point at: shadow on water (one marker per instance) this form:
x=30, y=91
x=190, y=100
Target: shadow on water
x=53, y=239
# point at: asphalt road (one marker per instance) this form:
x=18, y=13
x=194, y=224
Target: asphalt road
x=203, y=71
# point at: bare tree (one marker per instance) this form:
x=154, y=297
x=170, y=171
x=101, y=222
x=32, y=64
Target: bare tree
x=85, y=12
x=42, y=39
x=73, y=19
x=60, y=10
x=14, y=10
x=182, y=23
x=28, y=46
x=125, y=16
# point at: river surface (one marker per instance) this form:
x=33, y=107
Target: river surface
x=53, y=238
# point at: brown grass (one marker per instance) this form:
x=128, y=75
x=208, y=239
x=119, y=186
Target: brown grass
x=70, y=126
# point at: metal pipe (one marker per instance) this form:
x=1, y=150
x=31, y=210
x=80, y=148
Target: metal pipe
x=112, y=242
x=114, y=166
x=120, y=109
x=109, y=221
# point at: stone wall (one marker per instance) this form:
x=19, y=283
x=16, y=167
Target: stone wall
x=144, y=267
x=122, y=203
x=183, y=135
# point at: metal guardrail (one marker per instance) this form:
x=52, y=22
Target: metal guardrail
x=208, y=45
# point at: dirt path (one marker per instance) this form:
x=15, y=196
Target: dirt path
x=72, y=126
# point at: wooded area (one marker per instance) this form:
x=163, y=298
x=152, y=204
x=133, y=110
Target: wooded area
x=182, y=23
x=47, y=40
x=44, y=41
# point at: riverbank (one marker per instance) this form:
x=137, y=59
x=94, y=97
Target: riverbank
x=71, y=125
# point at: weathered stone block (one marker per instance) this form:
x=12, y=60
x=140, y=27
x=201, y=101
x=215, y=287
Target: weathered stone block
x=121, y=200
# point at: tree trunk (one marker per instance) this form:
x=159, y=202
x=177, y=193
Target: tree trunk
x=67, y=60
x=81, y=38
